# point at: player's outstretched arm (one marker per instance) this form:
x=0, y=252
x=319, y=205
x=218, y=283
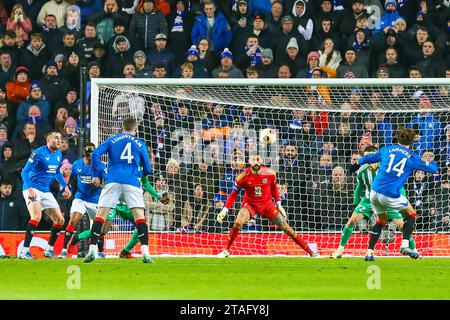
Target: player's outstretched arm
x=430, y=167
x=228, y=204
x=276, y=196
x=164, y=199
x=370, y=158
x=149, y=188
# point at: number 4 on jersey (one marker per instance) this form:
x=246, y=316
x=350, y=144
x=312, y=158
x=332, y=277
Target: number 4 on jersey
x=126, y=153
x=399, y=167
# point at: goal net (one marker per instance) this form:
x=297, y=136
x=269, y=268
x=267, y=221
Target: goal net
x=201, y=132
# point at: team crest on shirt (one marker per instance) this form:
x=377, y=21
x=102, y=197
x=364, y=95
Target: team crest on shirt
x=11, y=204
x=47, y=158
x=264, y=181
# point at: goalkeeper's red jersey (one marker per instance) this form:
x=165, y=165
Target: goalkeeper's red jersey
x=259, y=188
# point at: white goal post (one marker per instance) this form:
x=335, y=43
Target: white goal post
x=200, y=132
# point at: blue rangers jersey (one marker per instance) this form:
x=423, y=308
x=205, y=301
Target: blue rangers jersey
x=126, y=153
x=86, y=190
x=397, y=163
x=42, y=168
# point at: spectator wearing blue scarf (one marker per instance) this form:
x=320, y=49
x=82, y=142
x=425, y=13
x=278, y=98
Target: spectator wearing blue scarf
x=180, y=23
x=251, y=55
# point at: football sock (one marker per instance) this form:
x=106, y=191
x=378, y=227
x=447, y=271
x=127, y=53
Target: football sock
x=54, y=232
x=375, y=234
x=100, y=243
x=142, y=230
x=68, y=234
x=346, y=234
x=302, y=243
x=234, y=232
x=96, y=230
x=76, y=238
x=132, y=242
x=83, y=235
x=408, y=226
x=31, y=229
x=412, y=243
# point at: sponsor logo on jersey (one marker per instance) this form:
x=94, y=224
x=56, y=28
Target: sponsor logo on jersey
x=52, y=168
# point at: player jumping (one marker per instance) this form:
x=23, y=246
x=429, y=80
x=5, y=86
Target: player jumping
x=125, y=153
x=365, y=176
x=86, y=198
x=397, y=163
x=42, y=168
x=260, y=187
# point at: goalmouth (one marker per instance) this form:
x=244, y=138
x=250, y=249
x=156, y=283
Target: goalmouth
x=200, y=133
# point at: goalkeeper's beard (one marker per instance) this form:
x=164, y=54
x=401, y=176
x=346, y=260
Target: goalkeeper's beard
x=256, y=168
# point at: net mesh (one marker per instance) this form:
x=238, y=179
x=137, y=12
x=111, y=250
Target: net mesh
x=200, y=137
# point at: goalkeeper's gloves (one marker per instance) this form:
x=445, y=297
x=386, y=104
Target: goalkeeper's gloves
x=222, y=215
x=282, y=211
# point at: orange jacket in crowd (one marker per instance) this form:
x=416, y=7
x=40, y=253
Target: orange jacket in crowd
x=324, y=91
x=17, y=92
x=161, y=5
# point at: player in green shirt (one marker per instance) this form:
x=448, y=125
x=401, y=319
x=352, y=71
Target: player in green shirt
x=125, y=214
x=365, y=176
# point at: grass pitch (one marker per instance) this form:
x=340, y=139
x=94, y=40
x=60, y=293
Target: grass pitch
x=226, y=279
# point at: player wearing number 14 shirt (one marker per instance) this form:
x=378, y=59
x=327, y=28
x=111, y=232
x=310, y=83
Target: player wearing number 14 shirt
x=397, y=163
x=260, y=188
x=126, y=153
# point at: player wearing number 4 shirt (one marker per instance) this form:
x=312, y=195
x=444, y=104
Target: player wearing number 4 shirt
x=41, y=169
x=397, y=163
x=125, y=153
x=260, y=187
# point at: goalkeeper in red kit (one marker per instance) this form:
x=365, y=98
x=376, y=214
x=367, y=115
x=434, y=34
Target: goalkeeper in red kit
x=260, y=187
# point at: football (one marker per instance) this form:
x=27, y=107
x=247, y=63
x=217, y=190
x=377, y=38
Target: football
x=267, y=136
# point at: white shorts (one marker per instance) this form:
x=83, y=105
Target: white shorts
x=81, y=206
x=381, y=203
x=112, y=192
x=46, y=199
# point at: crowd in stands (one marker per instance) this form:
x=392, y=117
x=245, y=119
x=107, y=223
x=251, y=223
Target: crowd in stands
x=43, y=45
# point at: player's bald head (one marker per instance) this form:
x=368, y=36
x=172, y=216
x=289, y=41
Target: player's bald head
x=255, y=162
x=255, y=158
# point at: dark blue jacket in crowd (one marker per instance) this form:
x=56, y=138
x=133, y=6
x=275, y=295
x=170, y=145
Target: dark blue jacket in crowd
x=87, y=7
x=221, y=34
x=42, y=103
x=13, y=213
